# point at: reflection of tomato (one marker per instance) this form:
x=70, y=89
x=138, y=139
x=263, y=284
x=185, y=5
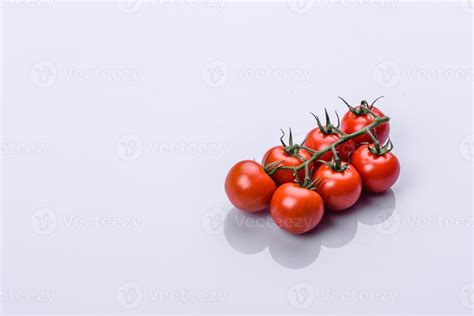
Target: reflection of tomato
x=339, y=189
x=317, y=140
x=378, y=172
x=248, y=186
x=278, y=154
x=352, y=123
x=296, y=209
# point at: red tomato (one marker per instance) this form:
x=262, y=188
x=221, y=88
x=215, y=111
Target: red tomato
x=295, y=209
x=249, y=187
x=339, y=189
x=277, y=154
x=352, y=123
x=378, y=172
x=317, y=140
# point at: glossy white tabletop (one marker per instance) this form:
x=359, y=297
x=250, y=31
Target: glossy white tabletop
x=121, y=120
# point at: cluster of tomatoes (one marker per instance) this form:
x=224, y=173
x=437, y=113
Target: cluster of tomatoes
x=328, y=171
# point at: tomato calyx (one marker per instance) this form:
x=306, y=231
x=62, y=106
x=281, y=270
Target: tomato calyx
x=272, y=168
x=291, y=149
x=336, y=162
x=307, y=182
x=363, y=109
x=378, y=150
x=329, y=128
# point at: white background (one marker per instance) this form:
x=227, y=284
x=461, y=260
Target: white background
x=120, y=121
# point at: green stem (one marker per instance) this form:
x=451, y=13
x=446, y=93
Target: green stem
x=344, y=138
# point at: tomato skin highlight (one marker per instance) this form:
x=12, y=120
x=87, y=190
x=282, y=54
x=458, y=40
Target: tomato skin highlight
x=248, y=187
x=378, y=173
x=317, y=140
x=295, y=209
x=352, y=123
x=339, y=190
x=277, y=154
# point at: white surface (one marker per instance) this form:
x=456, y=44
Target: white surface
x=121, y=121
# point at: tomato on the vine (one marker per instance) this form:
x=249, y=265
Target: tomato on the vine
x=296, y=209
x=279, y=154
x=340, y=189
x=359, y=117
x=318, y=140
x=248, y=186
x=378, y=171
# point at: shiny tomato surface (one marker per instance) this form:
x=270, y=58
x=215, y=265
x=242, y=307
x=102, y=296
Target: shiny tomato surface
x=352, y=123
x=295, y=209
x=378, y=172
x=278, y=154
x=249, y=187
x=339, y=189
x=317, y=140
